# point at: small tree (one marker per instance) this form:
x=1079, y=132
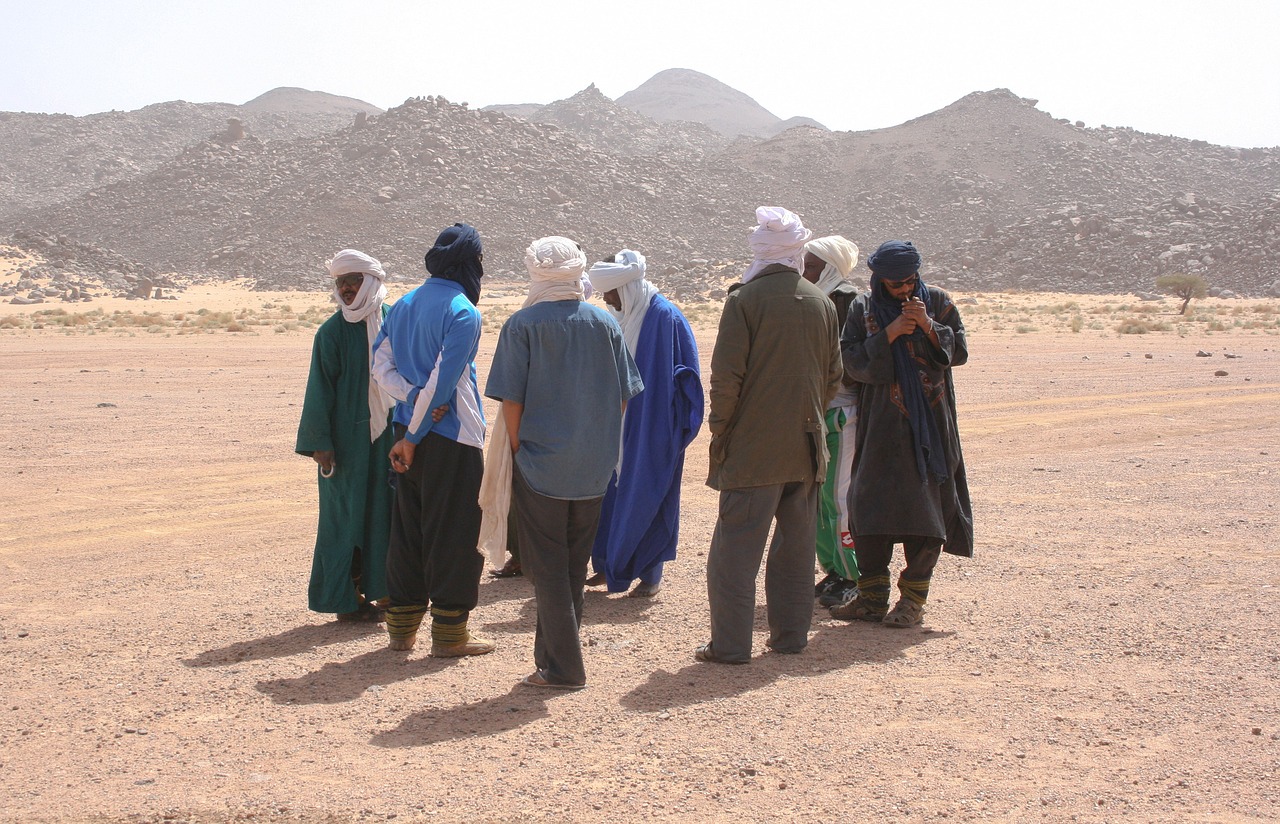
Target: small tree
x=1186, y=287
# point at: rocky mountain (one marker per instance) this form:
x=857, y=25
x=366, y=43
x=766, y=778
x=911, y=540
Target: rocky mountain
x=995, y=192
x=273, y=210
x=684, y=94
x=1007, y=196
x=49, y=158
x=612, y=127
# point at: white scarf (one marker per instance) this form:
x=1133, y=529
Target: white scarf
x=840, y=255
x=779, y=238
x=556, y=267
x=366, y=308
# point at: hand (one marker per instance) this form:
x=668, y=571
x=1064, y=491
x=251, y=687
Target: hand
x=915, y=310
x=402, y=455
x=904, y=324
x=324, y=457
x=439, y=412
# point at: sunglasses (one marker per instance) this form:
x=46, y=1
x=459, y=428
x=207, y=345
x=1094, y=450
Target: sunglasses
x=898, y=284
x=353, y=279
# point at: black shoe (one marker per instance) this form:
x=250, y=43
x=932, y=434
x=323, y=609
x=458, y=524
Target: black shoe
x=840, y=592
x=824, y=586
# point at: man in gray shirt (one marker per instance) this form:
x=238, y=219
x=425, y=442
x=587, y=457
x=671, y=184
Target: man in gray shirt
x=563, y=376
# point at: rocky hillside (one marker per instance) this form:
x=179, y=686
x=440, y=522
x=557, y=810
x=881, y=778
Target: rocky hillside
x=612, y=127
x=1000, y=194
x=996, y=193
x=50, y=158
x=273, y=210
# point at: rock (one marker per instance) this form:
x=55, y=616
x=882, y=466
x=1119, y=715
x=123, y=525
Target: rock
x=1200, y=353
x=1221, y=373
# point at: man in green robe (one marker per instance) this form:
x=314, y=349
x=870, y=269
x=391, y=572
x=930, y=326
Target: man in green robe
x=345, y=429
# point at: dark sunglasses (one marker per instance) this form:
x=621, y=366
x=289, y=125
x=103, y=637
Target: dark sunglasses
x=898, y=284
x=353, y=279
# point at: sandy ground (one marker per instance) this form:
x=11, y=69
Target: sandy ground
x=1109, y=654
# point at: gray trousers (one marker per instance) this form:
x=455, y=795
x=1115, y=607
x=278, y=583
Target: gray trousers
x=555, y=545
x=737, y=547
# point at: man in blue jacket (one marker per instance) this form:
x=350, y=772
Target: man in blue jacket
x=424, y=357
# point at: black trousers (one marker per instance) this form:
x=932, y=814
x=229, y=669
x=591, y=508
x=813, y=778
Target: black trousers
x=874, y=553
x=435, y=526
x=555, y=545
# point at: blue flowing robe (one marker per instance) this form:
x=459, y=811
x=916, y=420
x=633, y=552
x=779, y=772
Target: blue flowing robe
x=640, y=515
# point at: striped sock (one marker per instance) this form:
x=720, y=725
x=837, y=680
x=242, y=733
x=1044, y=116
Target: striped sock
x=875, y=591
x=403, y=621
x=449, y=626
x=915, y=591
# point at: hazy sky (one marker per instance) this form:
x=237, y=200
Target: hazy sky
x=1193, y=68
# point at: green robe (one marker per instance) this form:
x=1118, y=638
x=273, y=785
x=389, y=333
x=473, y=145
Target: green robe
x=355, y=504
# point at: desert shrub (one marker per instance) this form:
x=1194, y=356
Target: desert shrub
x=1077, y=322
x=13, y=322
x=1141, y=326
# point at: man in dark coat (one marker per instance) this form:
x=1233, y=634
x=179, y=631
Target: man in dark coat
x=899, y=344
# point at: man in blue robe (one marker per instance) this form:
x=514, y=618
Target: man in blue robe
x=640, y=516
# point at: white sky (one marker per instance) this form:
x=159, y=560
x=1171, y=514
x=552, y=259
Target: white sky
x=1192, y=68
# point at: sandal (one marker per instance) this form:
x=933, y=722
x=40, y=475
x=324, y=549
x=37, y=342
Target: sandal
x=905, y=613
x=538, y=678
x=859, y=608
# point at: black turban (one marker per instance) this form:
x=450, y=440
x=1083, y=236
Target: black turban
x=456, y=257
x=895, y=260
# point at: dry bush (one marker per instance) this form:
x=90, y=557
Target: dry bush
x=1141, y=326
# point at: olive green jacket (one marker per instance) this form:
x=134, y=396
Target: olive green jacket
x=775, y=366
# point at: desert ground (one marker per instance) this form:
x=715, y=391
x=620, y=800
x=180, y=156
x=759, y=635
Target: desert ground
x=1109, y=654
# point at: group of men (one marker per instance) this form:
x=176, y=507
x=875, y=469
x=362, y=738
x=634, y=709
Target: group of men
x=841, y=444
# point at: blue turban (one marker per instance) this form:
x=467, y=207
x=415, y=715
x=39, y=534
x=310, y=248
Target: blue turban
x=899, y=260
x=895, y=260
x=456, y=257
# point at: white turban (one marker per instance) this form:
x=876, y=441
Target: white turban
x=366, y=309
x=636, y=293
x=779, y=238
x=609, y=276
x=555, y=265
x=840, y=255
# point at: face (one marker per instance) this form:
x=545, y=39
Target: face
x=613, y=299
x=813, y=266
x=348, y=286
x=901, y=289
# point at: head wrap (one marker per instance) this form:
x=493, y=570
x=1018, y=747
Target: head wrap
x=555, y=265
x=626, y=275
x=779, y=238
x=456, y=257
x=840, y=255
x=899, y=260
x=895, y=260
x=626, y=267
x=366, y=309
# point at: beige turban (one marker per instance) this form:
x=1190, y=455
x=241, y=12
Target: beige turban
x=555, y=267
x=840, y=255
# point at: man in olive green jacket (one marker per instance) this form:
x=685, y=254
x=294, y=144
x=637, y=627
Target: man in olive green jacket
x=775, y=366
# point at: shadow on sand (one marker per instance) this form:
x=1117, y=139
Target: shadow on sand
x=290, y=642
x=339, y=681
x=491, y=716
x=831, y=648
